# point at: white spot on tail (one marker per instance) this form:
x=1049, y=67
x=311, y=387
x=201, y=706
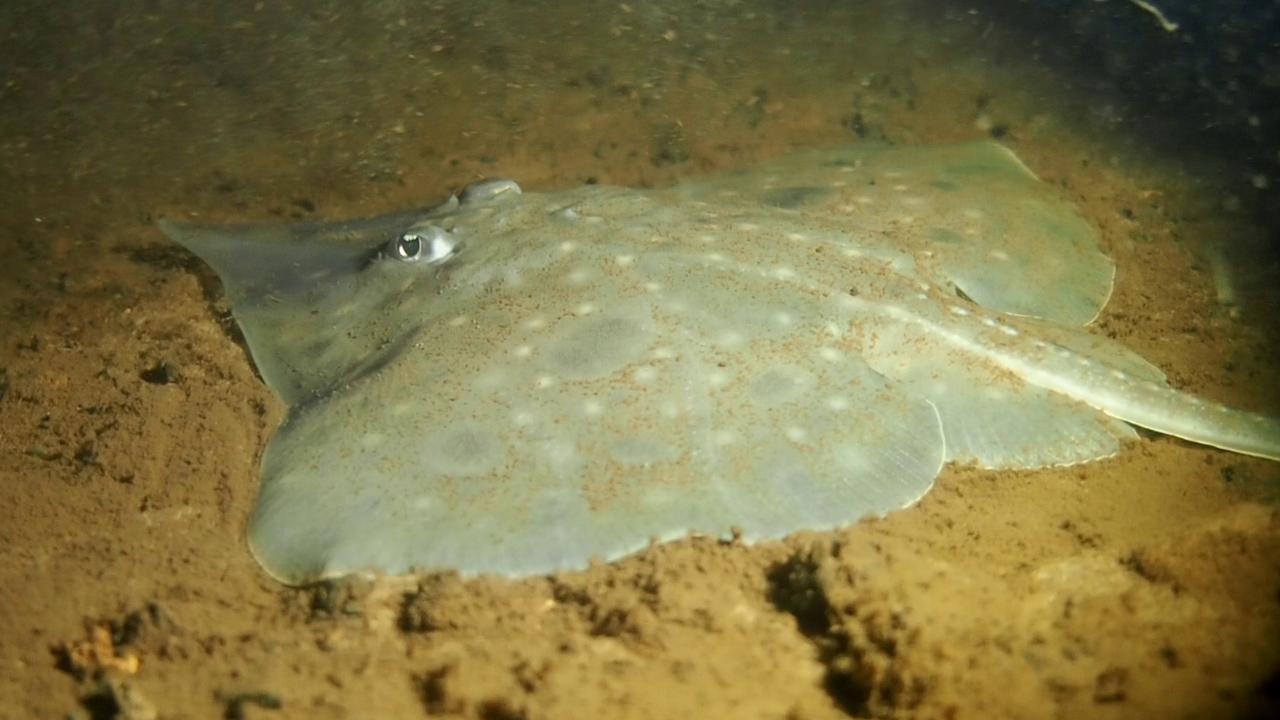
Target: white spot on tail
x=730, y=339
x=724, y=437
x=645, y=374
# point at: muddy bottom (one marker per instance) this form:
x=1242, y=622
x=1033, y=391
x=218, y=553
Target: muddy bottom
x=132, y=420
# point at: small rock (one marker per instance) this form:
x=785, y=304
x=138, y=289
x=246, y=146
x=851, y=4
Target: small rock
x=161, y=373
x=118, y=698
x=237, y=702
x=1111, y=685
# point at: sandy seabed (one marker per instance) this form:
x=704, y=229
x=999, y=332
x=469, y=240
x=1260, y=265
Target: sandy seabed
x=131, y=419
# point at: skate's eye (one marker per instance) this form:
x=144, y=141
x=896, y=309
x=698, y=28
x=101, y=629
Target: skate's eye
x=430, y=245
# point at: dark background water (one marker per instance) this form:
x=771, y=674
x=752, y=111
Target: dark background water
x=131, y=422
x=1212, y=84
x=118, y=83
